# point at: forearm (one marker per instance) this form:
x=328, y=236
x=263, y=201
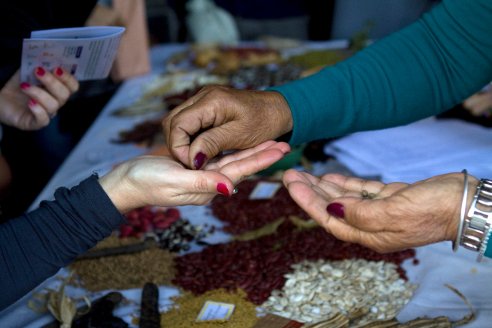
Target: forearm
x=36, y=245
x=422, y=70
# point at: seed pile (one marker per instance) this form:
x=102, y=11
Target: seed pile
x=188, y=306
x=317, y=290
x=242, y=214
x=258, y=266
x=165, y=225
x=125, y=271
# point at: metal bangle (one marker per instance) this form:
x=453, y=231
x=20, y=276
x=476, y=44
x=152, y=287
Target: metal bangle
x=456, y=241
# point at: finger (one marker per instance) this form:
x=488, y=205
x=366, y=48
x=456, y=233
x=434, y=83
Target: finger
x=181, y=153
x=365, y=188
x=41, y=117
x=292, y=175
x=256, y=162
x=54, y=86
x=41, y=97
x=185, y=124
x=315, y=205
x=282, y=146
x=325, y=188
x=67, y=79
x=198, y=187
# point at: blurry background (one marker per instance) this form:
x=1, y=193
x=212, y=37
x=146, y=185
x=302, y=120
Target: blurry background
x=306, y=20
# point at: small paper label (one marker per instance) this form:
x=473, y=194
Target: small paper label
x=215, y=311
x=265, y=190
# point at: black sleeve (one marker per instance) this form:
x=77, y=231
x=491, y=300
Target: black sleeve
x=35, y=246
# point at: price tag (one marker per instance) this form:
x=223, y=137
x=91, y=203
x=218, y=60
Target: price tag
x=265, y=190
x=215, y=311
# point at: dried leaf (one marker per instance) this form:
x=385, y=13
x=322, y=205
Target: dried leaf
x=267, y=229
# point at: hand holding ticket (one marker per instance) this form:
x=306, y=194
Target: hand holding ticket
x=86, y=52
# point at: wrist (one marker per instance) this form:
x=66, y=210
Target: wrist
x=281, y=111
x=118, y=188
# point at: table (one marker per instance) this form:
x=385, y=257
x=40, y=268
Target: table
x=95, y=153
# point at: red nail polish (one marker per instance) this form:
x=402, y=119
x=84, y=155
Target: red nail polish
x=58, y=71
x=25, y=85
x=199, y=160
x=336, y=209
x=40, y=71
x=222, y=188
x=32, y=102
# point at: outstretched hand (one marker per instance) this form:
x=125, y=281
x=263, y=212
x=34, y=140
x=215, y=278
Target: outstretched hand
x=161, y=181
x=219, y=118
x=30, y=107
x=383, y=217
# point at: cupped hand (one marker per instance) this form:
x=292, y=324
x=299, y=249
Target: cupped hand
x=383, y=217
x=30, y=107
x=162, y=181
x=219, y=118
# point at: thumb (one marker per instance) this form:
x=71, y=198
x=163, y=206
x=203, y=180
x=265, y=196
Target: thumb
x=363, y=214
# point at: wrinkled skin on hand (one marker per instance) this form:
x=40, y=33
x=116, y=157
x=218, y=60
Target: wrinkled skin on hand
x=219, y=118
x=399, y=216
x=32, y=107
x=162, y=181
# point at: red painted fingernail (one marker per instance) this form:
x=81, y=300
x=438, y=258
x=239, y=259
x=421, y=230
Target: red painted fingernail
x=32, y=102
x=222, y=188
x=40, y=71
x=25, y=85
x=58, y=71
x=336, y=209
x=199, y=160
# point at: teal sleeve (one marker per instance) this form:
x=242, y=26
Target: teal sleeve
x=424, y=69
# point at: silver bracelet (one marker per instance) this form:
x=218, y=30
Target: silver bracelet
x=456, y=241
x=479, y=219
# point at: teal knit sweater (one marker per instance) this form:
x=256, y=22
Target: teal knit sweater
x=417, y=72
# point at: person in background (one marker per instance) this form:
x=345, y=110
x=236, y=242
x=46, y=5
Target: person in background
x=47, y=146
x=37, y=244
x=30, y=107
x=419, y=71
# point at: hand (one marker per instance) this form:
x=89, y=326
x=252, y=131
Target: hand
x=29, y=107
x=480, y=103
x=399, y=216
x=161, y=181
x=229, y=119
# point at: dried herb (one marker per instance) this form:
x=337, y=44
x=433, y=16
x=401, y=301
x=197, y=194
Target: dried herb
x=146, y=134
x=188, y=306
x=140, y=108
x=266, y=230
x=121, y=250
x=149, y=308
x=126, y=271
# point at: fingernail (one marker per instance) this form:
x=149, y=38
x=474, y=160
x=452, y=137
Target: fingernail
x=200, y=158
x=222, y=188
x=58, y=71
x=32, y=102
x=40, y=71
x=336, y=209
x=25, y=85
